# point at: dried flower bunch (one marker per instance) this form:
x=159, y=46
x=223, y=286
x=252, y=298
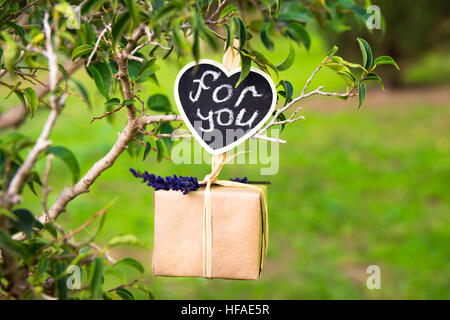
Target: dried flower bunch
x=177, y=183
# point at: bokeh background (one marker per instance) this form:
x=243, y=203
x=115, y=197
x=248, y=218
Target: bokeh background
x=354, y=188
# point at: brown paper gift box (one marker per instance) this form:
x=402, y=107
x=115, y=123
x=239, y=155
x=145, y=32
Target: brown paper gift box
x=239, y=233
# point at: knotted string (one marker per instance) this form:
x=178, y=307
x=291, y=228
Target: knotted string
x=217, y=162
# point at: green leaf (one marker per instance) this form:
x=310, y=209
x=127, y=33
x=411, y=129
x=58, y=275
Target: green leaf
x=19, y=30
x=134, y=67
x=127, y=102
x=288, y=89
x=263, y=61
x=147, y=66
x=22, y=99
x=146, y=290
x=12, y=246
x=90, y=5
x=159, y=102
x=61, y=280
x=337, y=67
x=347, y=76
x=207, y=34
x=361, y=94
x=281, y=117
x=98, y=81
x=133, y=10
x=11, y=53
x=33, y=176
x=375, y=77
x=299, y=34
x=12, y=138
x=166, y=11
x=132, y=263
x=246, y=64
x=228, y=10
x=179, y=42
x=229, y=37
x=265, y=38
x=147, y=70
x=386, y=60
x=134, y=147
x=82, y=51
x=366, y=53
x=84, y=93
x=31, y=186
x=51, y=229
x=89, y=33
x=242, y=31
x=124, y=294
x=107, y=77
x=277, y=7
x=166, y=127
x=112, y=102
x=42, y=267
x=25, y=221
x=96, y=279
x=63, y=72
x=1, y=56
x=124, y=239
x=168, y=52
x=289, y=61
x=32, y=99
x=148, y=148
x=68, y=158
x=116, y=272
x=332, y=51
x=296, y=16
x=13, y=89
x=340, y=60
x=196, y=45
x=159, y=150
x=119, y=27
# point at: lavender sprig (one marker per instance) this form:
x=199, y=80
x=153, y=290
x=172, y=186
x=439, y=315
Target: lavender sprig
x=177, y=183
x=243, y=180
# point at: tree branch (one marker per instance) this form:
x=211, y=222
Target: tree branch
x=97, y=43
x=16, y=115
x=303, y=95
x=125, y=137
x=12, y=196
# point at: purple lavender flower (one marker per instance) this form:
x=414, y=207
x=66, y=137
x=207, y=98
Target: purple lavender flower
x=243, y=180
x=177, y=183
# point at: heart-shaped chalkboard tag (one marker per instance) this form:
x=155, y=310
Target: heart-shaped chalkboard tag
x=219, y=114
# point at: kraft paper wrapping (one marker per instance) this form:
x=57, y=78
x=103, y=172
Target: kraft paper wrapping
x=239, y=233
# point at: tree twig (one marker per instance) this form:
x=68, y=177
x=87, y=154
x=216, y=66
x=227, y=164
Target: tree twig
x=74, y=232
x=107, y=113
x=46, y=189
x=97, y=43
x=12, y=196
x=15, y=116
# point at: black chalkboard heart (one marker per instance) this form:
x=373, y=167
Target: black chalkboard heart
x=220, y=115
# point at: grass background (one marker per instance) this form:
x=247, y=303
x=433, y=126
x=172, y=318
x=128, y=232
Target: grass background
x=355, y=188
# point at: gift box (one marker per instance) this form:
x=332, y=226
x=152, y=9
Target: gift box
x=239, y=232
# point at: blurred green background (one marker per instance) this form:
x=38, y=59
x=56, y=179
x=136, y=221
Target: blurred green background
x=354, y=188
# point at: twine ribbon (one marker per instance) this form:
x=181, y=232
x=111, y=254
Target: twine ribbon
x=217, y=162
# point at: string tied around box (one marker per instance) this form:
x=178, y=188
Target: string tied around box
x=217, y=162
